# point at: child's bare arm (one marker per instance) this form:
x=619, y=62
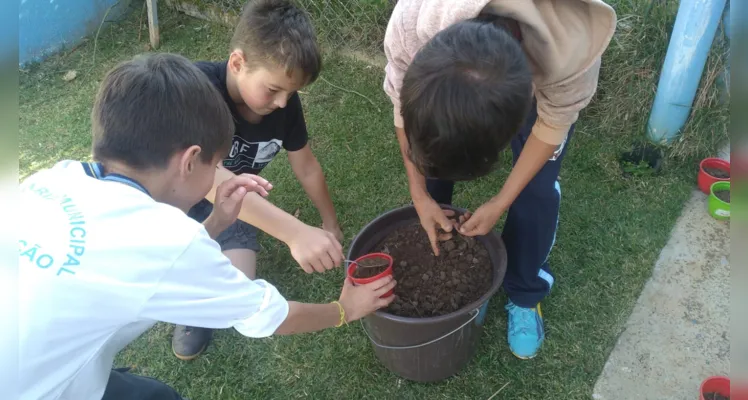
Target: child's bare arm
x=259, y=212
x=314, y=249
x=309, y=173
x=228, y=200
x=431, y=215
x=533, y=157
x=357, y=302
x=416, y=181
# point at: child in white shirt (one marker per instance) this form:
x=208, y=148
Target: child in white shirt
x=107, y=250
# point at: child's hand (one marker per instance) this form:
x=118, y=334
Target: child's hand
x=360, y=301
x=482, y=220
x=229, y=197
x=315, y=249
x=432, y=218
x=335, y=230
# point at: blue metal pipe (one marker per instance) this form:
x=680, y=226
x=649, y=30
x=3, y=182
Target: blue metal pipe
x=695, y=27
x=726, y=21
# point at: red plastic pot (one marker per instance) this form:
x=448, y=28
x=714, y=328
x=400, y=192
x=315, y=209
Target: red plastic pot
x=361, y=281
x=705, y=180
x=719, y=384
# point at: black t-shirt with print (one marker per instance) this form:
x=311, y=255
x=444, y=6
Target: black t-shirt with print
x=255, y=145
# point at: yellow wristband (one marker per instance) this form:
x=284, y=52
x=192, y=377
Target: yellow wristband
x=342, y=314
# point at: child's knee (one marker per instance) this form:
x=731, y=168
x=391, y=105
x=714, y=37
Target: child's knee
x=244, y=260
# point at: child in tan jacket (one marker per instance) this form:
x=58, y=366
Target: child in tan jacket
x=467, y=78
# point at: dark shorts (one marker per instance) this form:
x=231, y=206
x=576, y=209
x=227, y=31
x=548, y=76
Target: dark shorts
x=239, y=235
x=123, y=385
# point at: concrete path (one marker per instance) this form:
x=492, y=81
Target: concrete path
x=679, y=331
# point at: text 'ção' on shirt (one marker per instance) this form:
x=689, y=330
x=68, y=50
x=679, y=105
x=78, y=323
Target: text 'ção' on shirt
x=100, y=262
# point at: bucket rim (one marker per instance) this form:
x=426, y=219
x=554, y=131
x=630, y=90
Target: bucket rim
x=498, y=274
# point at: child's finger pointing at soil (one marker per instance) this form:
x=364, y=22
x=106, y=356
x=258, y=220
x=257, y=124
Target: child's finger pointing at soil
x=433, y=239
x=446, y=225
x=444, y=237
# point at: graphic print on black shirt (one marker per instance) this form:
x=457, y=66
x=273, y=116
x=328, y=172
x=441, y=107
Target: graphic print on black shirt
x=255, y=145
x=245, y=155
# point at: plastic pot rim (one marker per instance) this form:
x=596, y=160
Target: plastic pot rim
x=718, y=163
x=712, y=378
x=430, y=320
x=719, y=183
x=387, y=271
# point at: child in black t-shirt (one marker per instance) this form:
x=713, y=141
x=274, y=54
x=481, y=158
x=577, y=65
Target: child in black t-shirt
x=274, y=53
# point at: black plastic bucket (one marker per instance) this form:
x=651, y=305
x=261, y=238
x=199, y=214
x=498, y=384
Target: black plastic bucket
x=434, y=348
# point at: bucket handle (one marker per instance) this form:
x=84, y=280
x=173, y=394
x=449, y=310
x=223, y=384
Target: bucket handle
x=474, y=315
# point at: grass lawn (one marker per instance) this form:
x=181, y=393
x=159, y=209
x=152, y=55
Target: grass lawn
x=610, y=233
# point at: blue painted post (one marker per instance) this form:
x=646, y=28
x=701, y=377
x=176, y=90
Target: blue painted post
x=726, y=21
x=695, y=27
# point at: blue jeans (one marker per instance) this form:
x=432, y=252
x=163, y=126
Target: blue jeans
x=531, y=223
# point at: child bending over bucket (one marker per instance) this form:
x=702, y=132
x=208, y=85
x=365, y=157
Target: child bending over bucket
x=468, y=78
x=274, y=53
x=107, y=250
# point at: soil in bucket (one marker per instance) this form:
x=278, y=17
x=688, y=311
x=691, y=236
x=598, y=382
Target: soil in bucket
x=370, y=267
x=429, y=286
x=715, y=396
x=723, y=195
x=717, y=173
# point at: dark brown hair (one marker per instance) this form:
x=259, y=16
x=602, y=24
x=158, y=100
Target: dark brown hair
x=278, y=33
x=464, y=96
x=155, y=105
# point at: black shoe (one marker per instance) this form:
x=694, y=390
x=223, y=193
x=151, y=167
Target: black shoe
x=188, y=342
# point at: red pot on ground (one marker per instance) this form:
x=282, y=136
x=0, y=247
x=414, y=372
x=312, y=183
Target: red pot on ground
x=705, y=180
x=360, y=281
x=715, y=384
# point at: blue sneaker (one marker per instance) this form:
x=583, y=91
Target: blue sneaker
x=526, y=332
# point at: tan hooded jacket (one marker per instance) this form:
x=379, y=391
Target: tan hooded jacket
x=563, y=41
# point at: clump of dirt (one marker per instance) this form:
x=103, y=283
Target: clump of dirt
x=717, y=173
x=715, y=396
x=723, y=195
x=370, y=267
x=430, y=286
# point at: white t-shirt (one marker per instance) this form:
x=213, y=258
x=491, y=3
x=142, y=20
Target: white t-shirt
x=100, y=263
